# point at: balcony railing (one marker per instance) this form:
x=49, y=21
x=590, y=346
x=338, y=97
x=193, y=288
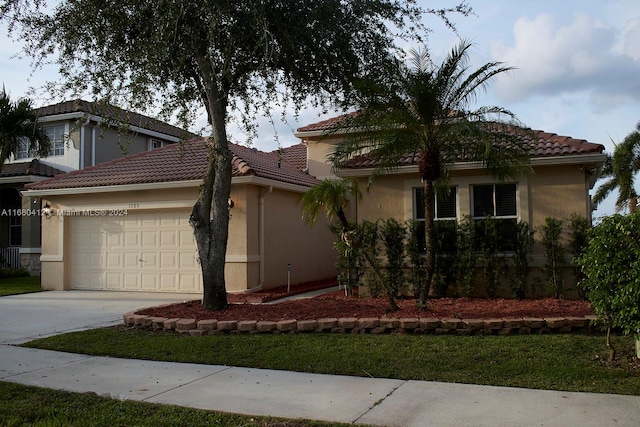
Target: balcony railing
x=10, y=258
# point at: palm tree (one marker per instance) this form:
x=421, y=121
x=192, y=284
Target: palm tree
x=621, y=168
x=424, y=111
x=19, y=122
x=332, y=196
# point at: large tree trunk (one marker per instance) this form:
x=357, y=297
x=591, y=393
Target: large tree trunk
x=429, y=235
x=210, y=214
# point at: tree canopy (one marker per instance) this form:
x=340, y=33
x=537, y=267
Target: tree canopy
x=216, y=54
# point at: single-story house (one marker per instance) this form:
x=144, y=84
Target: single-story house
x=124, y=224
x=82, y=134
x=565, y=169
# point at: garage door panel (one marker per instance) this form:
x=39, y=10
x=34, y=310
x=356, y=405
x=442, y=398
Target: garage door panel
x=168, y=238
x=132, y=239
x=131, y=260
x=114, y=281
x=150, y=239
x=168, y=260
x=143, y=251
x=114, y=260
x=131, y=281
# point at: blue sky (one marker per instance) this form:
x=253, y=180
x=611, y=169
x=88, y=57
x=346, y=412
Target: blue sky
x=578, y=67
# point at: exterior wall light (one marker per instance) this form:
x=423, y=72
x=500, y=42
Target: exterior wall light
x=46, y=211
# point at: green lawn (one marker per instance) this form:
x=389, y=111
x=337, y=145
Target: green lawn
x=19, y=285
x=22, y=405
x=553, y=362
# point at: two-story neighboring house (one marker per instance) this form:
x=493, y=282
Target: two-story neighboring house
x=82, y=134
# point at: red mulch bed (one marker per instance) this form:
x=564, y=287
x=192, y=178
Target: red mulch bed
x=337, y=305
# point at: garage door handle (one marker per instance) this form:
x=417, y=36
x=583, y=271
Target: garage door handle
x=141, y=260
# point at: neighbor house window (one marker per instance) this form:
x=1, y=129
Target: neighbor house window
x=445, y=213
x=497, y=201
x=15, y=230
x=23, y=151
x=154, y=143
x=56, y=138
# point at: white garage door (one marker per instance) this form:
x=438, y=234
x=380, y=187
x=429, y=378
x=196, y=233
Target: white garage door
x=142, y=251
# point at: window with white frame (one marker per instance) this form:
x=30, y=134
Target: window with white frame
x=445, y=214
x=498, y=201
x=56, y=136
x=445, y=204
x=155, y=143
x=23, y=151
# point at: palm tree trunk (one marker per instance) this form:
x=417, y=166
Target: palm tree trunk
x=429, y=235
x=633, y=202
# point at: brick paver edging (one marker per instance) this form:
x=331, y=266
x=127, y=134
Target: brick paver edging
x=427, y=325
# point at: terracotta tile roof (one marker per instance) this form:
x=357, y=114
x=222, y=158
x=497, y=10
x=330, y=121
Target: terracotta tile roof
x=176, y=162
x=296, y=155
x=326, y=124
x=33, y=167
x=543, y=144
x=111, y=112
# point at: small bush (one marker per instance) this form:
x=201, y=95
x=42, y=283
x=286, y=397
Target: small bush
x=611, y=267
x=554, y=253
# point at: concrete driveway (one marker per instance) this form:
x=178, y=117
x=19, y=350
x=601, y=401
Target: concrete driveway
x=29, y=316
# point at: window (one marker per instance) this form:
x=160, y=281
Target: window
x=15, y=230
x=56, y=137
x=154, y=143
x=446, y=209
x=497, y=201
x=23, y=150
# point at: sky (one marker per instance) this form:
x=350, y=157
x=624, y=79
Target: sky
x=578, y=68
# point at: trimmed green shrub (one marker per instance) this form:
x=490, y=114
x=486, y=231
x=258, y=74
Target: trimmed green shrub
x=611, y=267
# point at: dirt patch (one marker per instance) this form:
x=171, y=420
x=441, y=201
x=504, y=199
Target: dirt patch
x=337, y=305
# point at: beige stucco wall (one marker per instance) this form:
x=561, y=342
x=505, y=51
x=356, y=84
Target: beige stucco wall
x=286, y=238
x=555, y=191
x=318, y=152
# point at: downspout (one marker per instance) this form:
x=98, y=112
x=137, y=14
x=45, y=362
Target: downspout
x=261, y=215
x=93, y=146
x=82, y=138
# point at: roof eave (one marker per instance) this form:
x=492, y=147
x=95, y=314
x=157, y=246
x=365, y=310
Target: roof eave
x=99, y=119
x=238, y=180
x=591, y=158
x=22, y=178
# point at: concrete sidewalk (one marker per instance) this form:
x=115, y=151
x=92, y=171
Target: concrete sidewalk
x=384, y=402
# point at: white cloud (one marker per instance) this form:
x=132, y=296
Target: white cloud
x=584, y=54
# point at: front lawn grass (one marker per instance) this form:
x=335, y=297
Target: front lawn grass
x=24, y=405
x=19, y=285
x=552, y=362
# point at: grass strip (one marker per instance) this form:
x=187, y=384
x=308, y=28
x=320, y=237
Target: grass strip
x=19, y=285
x=552, y=362
x=24, y=405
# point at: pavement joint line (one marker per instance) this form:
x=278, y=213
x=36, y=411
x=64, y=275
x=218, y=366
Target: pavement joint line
x=379, y=401
x=226, y=368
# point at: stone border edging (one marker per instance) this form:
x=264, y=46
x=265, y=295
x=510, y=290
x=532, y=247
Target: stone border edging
x=427, y=325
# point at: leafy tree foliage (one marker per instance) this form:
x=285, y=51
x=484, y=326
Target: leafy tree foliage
x=620, y=169
x=19, y=122
x=424, y=111
x=611, y=264
x=222, y=55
